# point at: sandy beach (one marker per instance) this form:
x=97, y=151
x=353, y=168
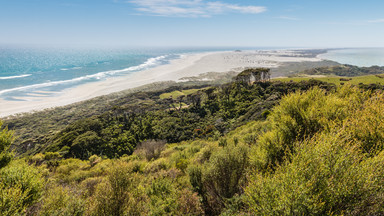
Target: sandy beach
x=186, y=66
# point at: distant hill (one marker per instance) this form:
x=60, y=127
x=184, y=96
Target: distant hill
x=344, y=70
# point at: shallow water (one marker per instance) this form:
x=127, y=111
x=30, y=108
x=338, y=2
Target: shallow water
x=26, y=71
x=363, y=57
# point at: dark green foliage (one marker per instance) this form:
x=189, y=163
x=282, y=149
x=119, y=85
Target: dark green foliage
x=34, y=131
x=5, y=142
x=209, y=113
x=345, y=70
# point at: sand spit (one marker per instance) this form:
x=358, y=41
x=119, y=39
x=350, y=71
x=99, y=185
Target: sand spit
x=186, y=66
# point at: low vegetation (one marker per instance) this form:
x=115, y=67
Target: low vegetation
x=364, y=81
x=263, y=148
x=344, y=70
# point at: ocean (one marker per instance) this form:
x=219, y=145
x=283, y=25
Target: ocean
x=40, y=72
x=363, y=57
x=45, y=71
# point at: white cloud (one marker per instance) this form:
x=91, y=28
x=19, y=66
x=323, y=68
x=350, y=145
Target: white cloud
x=191, y=8
x=377, y=21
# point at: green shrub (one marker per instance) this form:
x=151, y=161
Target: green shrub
x=6, y=138
x=326, y=177
x=116, y=195
x=157, y=165
x=52, y=156
x=188, y=203
x=163, y=197
x=182, y=164
x=222, y=142
x=223, y=176
x=299, y=116
x=220, y=178
x=196, y=178
x=25, y=181
x=152, y=149
x=205, y=154
x=366, y=126
x=90, y=185
x=12, y=199
x=36, y=159
x=62, y=201
x=94, y=159
x=86, y=145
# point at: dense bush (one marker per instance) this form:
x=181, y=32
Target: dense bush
x=326, y=176
x=301, y=115
x=210, y=112
x=320, y=151
x=5, y=142
x=366, y=125
x=220, y=178
x=116, y=195
x=12, y=199
x=61, y=201
x=345, y=70
x=21, y=186
x=331, y=165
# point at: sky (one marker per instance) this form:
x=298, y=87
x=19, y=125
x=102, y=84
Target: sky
x=248, y=23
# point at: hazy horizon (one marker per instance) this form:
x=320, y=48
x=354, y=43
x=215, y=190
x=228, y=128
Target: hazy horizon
x=192, y=23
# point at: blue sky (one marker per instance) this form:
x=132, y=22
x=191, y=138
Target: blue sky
x=258, y=23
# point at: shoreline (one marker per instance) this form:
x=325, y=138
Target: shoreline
x=187, y=66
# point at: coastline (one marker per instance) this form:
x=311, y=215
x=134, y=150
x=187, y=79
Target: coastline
x=187, y=66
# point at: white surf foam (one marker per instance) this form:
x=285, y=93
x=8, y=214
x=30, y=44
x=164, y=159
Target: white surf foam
x=150, y=62
x=15, y=77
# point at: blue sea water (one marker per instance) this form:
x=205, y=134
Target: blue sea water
x=44, y=71
x=363, y=57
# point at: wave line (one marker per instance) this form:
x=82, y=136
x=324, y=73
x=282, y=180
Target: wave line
x=15, y=77
x=146, y=64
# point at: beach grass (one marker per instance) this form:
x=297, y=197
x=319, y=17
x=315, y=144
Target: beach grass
x=176, y=94
x=369, y=79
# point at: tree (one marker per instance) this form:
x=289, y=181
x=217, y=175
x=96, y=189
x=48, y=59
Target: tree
x=254, y=74
x=6, y=138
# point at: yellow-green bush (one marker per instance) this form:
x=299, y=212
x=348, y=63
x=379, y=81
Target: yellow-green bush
x=366, y=126
x=23, y=181
x=36, y=159
x=326, y=176
x=12, y=199
x=118, y=194
x=157, y=165
x=299, y=116
x=62, y=201
x=6, y=138
x=75, y=170
x=313, y=159
x=89, y=185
